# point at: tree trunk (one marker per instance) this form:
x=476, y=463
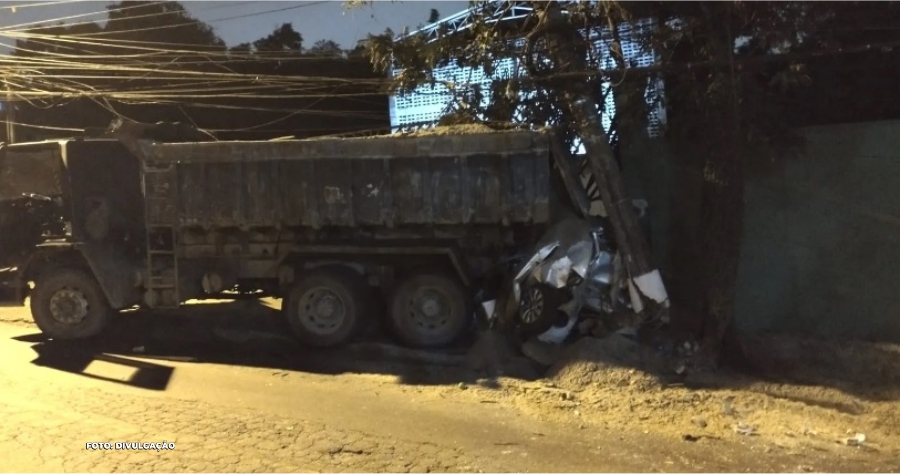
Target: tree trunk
x=722, y=220
x=566, y=46
x=722, y=201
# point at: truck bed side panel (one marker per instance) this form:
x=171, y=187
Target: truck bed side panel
x=438, y=181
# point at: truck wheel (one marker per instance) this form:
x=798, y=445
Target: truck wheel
x=69, y=304
x=324, y=307
x=429, y=310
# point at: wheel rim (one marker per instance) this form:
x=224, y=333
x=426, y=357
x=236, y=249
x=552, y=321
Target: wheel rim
x=532, y=306
x=430, y=310
x=69, y=306
x=321, y=311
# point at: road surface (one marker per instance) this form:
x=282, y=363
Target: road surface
x=250, y=408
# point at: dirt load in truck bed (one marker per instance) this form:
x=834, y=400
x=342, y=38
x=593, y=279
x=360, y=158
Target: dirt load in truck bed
x=420, y=145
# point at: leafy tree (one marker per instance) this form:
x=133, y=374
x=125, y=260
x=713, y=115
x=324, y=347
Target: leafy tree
x=726, y=105
x=284, y=40
x=361, y=50
x=241, y=49
x=325, y=48
x=144, y=20
x=434, y=16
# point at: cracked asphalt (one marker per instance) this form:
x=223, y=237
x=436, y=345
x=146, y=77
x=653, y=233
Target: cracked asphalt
x=266, y=407
x=261, y=416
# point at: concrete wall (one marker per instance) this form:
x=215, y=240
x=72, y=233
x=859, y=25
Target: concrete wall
x=821, y=250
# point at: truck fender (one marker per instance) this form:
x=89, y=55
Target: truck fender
x=115, y=277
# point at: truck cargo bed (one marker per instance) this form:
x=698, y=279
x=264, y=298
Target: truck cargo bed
x=500, y=178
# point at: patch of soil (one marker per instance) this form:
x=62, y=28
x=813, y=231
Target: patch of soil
x=617, y=383
x=868, y=370
x=462, y=129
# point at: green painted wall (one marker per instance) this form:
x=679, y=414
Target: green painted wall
x=821, y=251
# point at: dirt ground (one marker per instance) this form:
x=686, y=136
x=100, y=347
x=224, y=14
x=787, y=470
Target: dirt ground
x=834, y=397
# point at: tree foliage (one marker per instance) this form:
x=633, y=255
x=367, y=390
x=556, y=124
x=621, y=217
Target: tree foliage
x=144, y=20
x=729, y=70
x=283, y=39
x=325, y=49
x=434, y=16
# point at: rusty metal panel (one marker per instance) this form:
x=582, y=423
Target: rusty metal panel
x=391, y=146
x=409, y=183
x=485, y=188
x=447, y=176
x=224, y=183
x=193, y=194
x=262, y=202
x=333, y=182
x=296, y=178
x=542, y=189
x=159, y=189
x=370, y=192
x=446, y=180
x=521, y=191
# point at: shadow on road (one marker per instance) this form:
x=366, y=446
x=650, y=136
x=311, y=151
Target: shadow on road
x=252, y=334
x=76, y=358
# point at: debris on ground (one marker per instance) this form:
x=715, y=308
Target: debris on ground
x=856, y=440
x=745, y=429
x=543, y=353
x=625, y=381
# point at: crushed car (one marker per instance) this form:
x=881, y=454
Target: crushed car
x=573, y=272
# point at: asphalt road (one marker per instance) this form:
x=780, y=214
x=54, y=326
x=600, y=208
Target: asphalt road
x=262, y=406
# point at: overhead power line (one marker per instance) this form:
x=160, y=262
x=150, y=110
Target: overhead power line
x=46, y=127
x=49, y=63
x=53, y=40
x=195, y=22
x=39, y=4
x=79, y=15
x=42, y=25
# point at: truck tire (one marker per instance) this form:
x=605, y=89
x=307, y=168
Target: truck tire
x=429, y=310
x=69, y=304
x=324, y=308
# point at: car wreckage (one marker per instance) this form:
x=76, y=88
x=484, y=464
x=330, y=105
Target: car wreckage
x=573, y=271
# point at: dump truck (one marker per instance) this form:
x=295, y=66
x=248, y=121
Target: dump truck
x=341, y=229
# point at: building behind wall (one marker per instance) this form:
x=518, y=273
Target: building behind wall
x=428, y=103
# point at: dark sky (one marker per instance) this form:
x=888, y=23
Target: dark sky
x=315, y=21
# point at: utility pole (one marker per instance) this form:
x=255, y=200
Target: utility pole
x=10, y=116
x=564, y=47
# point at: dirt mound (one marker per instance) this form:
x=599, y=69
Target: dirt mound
x=462, y=129
x=618, y=383
x=612, y=361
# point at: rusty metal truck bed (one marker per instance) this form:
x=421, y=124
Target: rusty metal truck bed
x=480, y=178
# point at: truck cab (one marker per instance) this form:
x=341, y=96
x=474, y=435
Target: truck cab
x=67, y=207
